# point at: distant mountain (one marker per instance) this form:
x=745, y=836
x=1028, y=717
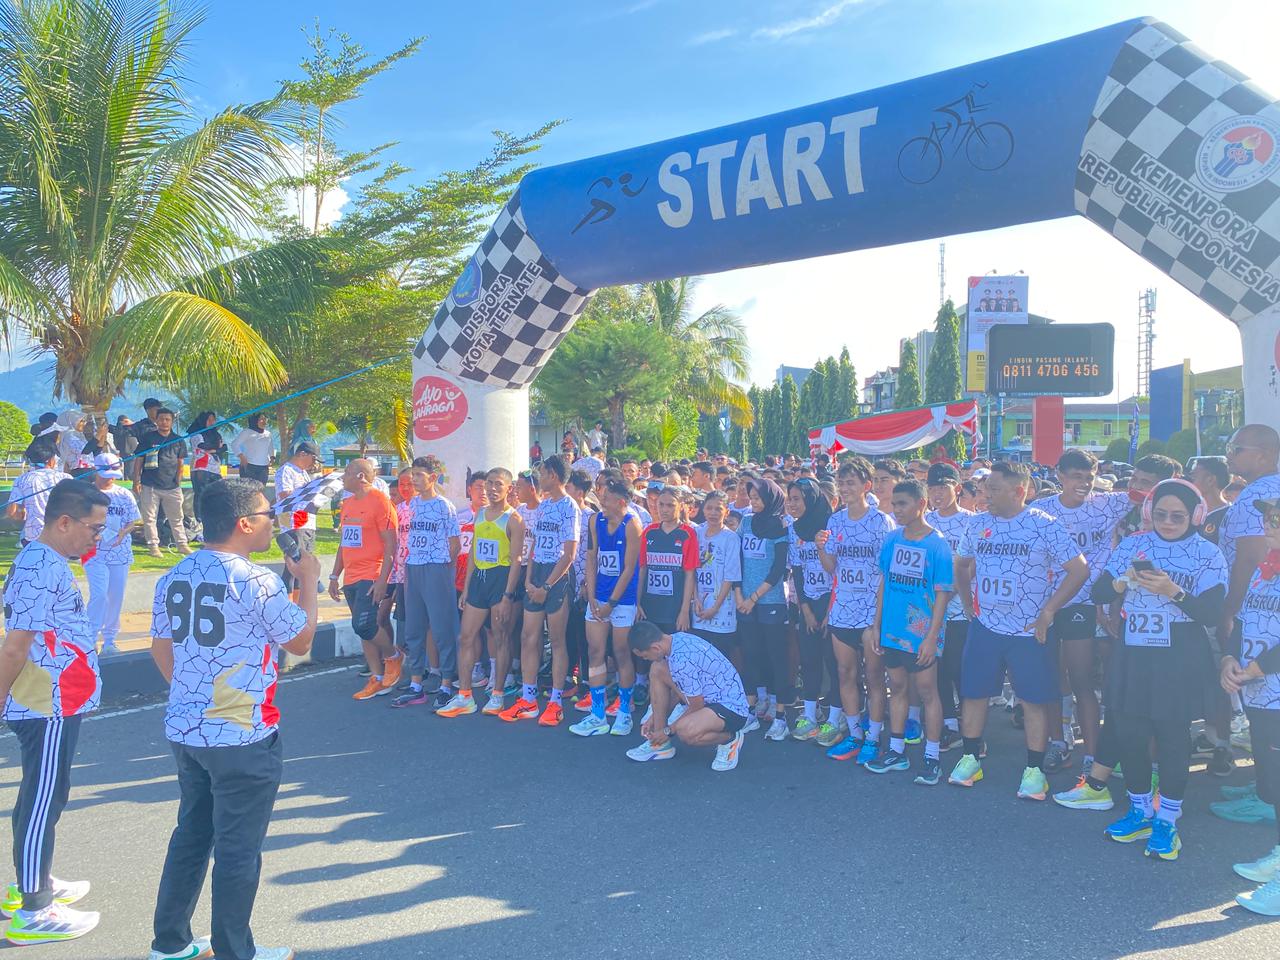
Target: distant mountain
x=30, y=387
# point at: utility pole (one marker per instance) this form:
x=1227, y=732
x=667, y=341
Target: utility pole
x=1146, y=320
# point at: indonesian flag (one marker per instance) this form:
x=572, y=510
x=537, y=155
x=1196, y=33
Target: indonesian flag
x=898, y=430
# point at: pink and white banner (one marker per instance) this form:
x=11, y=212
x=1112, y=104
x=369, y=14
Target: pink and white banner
x=899, y=430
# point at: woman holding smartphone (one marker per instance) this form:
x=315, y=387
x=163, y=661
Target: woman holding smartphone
x=1172, y=584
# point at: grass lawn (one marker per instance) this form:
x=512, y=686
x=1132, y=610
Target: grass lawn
x=326, y=545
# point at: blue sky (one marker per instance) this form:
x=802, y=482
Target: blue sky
x=626, y=72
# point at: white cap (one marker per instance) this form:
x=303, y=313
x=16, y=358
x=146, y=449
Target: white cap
x=109, y=466
x=980, y=474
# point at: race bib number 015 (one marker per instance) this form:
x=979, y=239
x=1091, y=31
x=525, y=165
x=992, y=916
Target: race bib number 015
x=1146, y=628
x=997, y=591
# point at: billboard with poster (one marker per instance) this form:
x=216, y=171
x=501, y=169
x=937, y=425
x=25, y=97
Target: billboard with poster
x=992, y=300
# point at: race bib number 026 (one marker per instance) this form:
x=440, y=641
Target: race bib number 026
x=352, y=535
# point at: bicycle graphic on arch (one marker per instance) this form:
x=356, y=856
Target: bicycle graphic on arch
x=987, y=145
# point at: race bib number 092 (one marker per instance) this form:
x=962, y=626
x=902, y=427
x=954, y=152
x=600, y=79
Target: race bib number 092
x=907, y=562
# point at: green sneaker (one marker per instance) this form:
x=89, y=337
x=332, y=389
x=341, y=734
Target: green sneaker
x=967, y=772
x=64, y=892
x=1033, y=786
x=1084, y=797
x=1247, y=810
x=805, y=729
x=829, y=734
x=55, y=922
x=1241, y=792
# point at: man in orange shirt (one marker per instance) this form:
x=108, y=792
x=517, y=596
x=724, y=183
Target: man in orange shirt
x=368, y=547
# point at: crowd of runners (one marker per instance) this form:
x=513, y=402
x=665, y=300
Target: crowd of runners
x=861, y=606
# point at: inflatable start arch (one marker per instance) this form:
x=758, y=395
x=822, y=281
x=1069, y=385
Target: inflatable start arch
x=1175, y=154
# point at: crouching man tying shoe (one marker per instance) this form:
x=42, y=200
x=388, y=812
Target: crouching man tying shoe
x=695, y=694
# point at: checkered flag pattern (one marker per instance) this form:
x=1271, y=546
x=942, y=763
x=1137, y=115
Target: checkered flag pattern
x=1162, y=97
x=507, y=312
x=310, y=497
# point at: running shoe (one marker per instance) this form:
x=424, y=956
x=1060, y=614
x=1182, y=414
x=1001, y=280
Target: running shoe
x=410, y=698
x=762, y=709
x=1247, y=810
x=65, y=892
x=621, y=725
x=590, y=726
x=727, y=753
x=612, y=709
x=950, y=740
x=1202, y=746
x=1264, y=901
x=1241, y=792
x=1033, y=786
x=49, y=925
x=1221, y=764
x=913, y=733
x=392, y=668
x=584, y=703
x=433, y=682
x=1017, y=716
x=479, y=677
x=495, y=704
x=829, y=734
x=846, y=749
x=1263, y=870
x=805, y=729
x=457, y=706
x=197, y=949
x=373, y=688
x=676, y=714
x=777, y=730
x=889, y=762
x=647, y=751
x=108, y=650
x=1056, y=757
x=869, y=751
x=1134, y=825
x=967, y=772
x=1164, y=841
x=930, y=772
x=522, y=709
x=552, y=715
x=364, y=673
x=1084, y=797
x=511, y=688
x=443, y=697
x=640, y=695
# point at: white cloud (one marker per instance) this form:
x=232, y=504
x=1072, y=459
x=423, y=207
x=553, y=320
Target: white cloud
x=712, y=36
x=822, y=18
x=304, y=201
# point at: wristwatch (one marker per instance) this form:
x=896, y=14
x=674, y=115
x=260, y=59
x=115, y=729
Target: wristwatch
x=508, y=595
x=333, y=576
x=1180, y=596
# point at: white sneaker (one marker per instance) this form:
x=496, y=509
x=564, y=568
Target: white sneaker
x=648, y=715
x=273, y=953
x=676, y=714
x=1263, y=870
x=65, y=892
x=49, y=925
x=197, y=949
x=109, y=650
x=621, y=725
x=646, y=752
x=751, y=724
x=727, y=753
x=777, y=730
x=590, y=726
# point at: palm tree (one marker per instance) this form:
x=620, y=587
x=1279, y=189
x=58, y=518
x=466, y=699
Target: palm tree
x=716, y=341
x=119, y=213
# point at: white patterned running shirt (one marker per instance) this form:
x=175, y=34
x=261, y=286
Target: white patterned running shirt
x=226, y=616
x=700, y=670
x=1091, y=526
x=952, y=529
x=1243, y=518
x=554, y=525
x=719, y=561
x=31, y=490
x=434, y=521
x=856, y=546
x=1193, y=563
x=1015, y=562
x=1260, y=618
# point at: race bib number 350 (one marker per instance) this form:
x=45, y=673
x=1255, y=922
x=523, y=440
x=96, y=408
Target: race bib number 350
x=661, y=583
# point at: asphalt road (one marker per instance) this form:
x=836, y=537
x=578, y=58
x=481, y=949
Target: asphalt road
x=401, y=834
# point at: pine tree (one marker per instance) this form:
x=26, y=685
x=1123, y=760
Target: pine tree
x=907, y=393
x=946, y=383
x=813, y=405
x=755, y=433
x=788, y=416
x=844, y=395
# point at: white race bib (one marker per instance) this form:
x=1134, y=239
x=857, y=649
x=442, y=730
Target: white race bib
x=997, y=591
x=464, y=542
x=706, y=578
x=486, y=550
x=352, y=535
x=1146, y=628
x=609, y=563
x=816, y=583
x=662, y=583
x=753, y=547
x=854, y=580
x=907, y=561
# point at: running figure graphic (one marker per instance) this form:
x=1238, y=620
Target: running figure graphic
x=987, y=145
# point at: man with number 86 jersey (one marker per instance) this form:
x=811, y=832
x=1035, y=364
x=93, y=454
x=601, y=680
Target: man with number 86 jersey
x=218, y=623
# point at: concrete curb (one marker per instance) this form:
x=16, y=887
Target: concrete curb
x=134, y=674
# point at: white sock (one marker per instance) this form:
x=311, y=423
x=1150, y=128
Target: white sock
x=1145, y=803
x=874, y=729
x=773, y=703
x=897, y=745
x=811, y=710
x=761, y=693
x=834, y=716
x=932, y=749
x=1170, y=810
x=913, y=714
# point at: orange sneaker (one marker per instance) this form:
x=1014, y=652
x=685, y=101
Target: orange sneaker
x=584, y=703
x=551, y=716
x=612, y=709
x=373, y=688
x=391, y=669
x=522, y=709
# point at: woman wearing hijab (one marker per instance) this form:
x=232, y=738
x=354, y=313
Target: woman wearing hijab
x=1172, y=584
x=304, y=430
x=71, y=439
x=810, y=510
x=209, y=452
x=762, y=605
x=255, y=448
